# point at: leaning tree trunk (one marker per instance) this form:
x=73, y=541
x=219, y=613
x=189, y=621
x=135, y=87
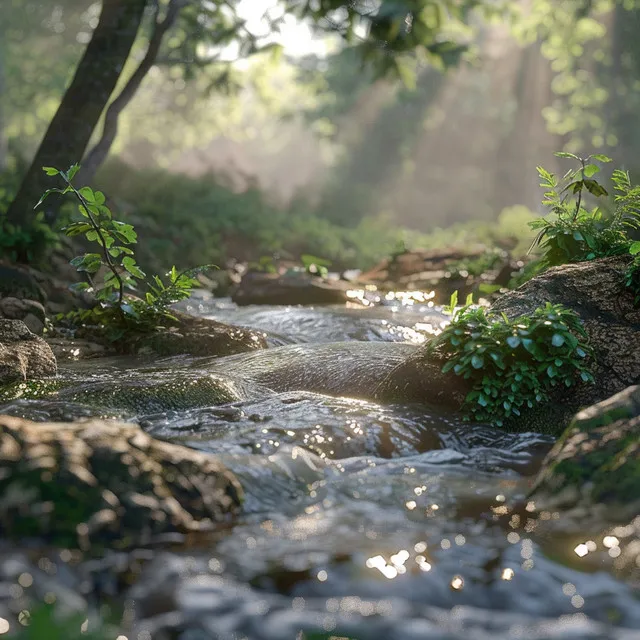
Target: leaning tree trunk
x=70, y=130
x=98, y=154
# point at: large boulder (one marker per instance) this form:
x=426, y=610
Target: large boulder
x=594, y=468
x=100, y=483
x=23, y=355
x=289, y=289
x=595, y=291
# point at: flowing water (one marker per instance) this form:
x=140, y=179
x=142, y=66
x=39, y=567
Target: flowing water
x=361, y=521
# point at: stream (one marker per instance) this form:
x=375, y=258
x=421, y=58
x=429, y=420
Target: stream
x=361, y=521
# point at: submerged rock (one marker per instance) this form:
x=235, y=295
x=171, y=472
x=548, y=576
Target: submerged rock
x=351, y=369
x=595, y=291
x=594, y=468
x=106, y=483
x=23, y=355
x=137, y=395
x=301, y=288
x=199, y=337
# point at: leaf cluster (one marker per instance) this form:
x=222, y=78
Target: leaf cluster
x=513, y=364
x=115, y=264
x=574, y=233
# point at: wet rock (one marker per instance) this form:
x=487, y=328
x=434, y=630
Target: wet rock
x=595, y=291
x=185, y=335
x=23, y=355
x=199, y=337
x=299, y=288
x=137, y=395
x=95, y=483
x=30, y=312
x=26, y=283
x=594, y=468
x=351, y=369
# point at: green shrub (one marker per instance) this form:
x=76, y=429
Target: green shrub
x=512, y=365
x=117, y=313
x=31, y=242
x=575, y=233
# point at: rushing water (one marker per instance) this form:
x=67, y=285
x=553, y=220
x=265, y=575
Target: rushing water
x=361, y=521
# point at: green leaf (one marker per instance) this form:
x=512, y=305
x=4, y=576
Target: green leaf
x=564, y=154
x=634, y=249
x=125, y=232
x=51, y=171
x=87, y=194
x=601, y=158
x=46, y=194
x=557, y=340
x=71, y=172
x=89, y=262
x=76, y=228
x=488, y=289
x=595, y=188
x=130, y=265
x=477, y=362
x=591, y=170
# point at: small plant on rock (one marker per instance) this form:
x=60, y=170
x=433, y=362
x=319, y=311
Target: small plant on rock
x=114, y=264
x=575, y=233
x=512, y=365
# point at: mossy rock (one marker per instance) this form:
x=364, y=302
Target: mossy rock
x=595, y=291
x=100, y=483
x=135, y=395
x=595, y=465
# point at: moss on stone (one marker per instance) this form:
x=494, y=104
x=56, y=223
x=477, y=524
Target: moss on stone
x=597, y=459
x=105, y=483
x=140, y=396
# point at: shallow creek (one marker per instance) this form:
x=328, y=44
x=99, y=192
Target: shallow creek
x=361, y=521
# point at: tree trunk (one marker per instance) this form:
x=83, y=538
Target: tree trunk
x=98, y=154
x=70, y=130
x=3, y=113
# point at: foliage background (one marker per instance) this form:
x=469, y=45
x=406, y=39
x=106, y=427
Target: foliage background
x=308, y=153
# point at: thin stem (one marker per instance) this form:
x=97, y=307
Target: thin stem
x=579, y=202
x=103, y=243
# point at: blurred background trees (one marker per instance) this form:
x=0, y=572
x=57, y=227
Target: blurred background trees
x=317, y=128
